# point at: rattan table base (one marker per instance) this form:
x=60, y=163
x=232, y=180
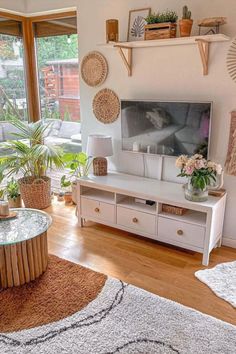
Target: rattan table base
x=23, y=262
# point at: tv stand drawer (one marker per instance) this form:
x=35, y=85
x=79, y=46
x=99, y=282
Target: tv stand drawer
x=98, y=210
x=180, y=232
x=136, y=220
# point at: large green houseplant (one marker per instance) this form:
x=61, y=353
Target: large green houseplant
x=30, y=158
x=78, y=165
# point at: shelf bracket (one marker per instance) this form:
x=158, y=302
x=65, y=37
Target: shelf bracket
x=204, y=47
x=126, y=54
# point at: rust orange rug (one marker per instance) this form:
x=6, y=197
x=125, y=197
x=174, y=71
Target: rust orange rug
x=64, y=289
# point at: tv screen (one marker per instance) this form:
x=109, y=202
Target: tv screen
x=166, y=128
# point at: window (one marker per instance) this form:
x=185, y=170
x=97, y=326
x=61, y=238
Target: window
x=58, y=69
x=12, y=73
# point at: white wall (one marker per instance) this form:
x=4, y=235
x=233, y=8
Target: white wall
x=48, y=5
x=13, y=5
x=168, y=73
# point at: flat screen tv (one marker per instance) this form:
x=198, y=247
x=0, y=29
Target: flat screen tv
x=166, y=128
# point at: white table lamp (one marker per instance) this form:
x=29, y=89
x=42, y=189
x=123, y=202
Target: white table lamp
x=99, y=147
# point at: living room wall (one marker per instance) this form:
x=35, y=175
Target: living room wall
x=165, y=73
x=13, y=5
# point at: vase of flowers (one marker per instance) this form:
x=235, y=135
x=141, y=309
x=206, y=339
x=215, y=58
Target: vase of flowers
x=200, y=173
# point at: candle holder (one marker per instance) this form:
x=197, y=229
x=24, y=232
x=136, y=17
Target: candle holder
x=4, y=208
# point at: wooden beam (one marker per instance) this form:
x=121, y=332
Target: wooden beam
x=55, y=16
x=11, y=16
x=204, y=47
x=127, y=60
x=31, y=71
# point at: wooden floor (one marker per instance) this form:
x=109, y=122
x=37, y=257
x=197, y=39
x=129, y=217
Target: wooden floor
x=158, y=268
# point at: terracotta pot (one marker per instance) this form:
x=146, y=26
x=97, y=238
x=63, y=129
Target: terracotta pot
x=15, y=203
x=68, y=197
x=185, y=27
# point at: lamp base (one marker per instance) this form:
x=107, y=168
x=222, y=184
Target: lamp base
x=100, y=166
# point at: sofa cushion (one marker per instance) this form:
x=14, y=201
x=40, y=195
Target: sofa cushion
x=68, y=129
x=76, y=138
x=1, y=133
x=8, y=131
x=54, y=127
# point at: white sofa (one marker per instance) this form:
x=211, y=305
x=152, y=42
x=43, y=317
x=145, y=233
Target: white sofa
x=63, y=134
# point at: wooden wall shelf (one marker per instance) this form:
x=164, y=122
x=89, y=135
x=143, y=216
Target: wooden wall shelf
x=203, y=42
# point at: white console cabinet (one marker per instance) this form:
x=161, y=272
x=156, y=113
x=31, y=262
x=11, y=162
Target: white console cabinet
x=110, y=200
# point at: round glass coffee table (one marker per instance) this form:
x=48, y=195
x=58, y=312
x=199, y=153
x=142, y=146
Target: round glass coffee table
x=23, y=247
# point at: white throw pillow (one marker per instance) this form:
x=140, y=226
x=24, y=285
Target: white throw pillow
x=68, y=129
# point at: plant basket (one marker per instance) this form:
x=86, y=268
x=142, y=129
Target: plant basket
x=160, y=31
x=35, y=192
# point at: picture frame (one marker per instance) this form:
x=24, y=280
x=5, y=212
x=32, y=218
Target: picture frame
x=136, y=30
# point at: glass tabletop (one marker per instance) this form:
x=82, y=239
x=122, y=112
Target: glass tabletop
x=28, y=224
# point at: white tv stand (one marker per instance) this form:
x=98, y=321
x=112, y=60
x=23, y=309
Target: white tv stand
x=109, y=200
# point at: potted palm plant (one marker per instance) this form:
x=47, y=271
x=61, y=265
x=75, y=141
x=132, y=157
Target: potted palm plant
x=13, y=194
x=29, y=157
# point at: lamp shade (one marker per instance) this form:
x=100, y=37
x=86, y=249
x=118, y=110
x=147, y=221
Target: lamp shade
x=99, y=146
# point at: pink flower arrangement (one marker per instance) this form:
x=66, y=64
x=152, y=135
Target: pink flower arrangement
x=201, y=172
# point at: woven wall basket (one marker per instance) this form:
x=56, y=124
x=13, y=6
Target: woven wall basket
x=106, y=106
x=94, y=69
x=231, y=60
x=36, y=193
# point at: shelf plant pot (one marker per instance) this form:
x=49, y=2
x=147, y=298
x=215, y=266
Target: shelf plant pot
x=185, y=27
x=35, y=192
x=160, y=31
x=15, y=202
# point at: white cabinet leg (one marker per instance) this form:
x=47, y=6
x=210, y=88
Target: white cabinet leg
x=205, y=258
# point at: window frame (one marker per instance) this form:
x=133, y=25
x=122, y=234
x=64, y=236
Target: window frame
x=30, y=58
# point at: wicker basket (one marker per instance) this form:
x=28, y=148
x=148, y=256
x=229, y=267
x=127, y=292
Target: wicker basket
x=36, y=192
x=171, y=209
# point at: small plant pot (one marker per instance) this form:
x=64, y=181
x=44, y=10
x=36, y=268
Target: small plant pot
x=15, y=202
x=60, y=197
x=68, y=197
x=185, y=27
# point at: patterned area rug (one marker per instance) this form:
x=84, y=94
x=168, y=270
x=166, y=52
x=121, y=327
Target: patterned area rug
x=221, y=280
x=127, y=320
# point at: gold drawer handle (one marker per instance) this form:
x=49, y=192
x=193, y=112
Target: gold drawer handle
x=97, y=210
x=180, y=232
x=135, y=220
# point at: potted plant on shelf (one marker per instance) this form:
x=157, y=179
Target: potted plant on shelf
x=29, y=157
x=79, y=165
x=186, y=24
x=161, y=25
x=13, y=194
x=66, y=187
x=200, y=173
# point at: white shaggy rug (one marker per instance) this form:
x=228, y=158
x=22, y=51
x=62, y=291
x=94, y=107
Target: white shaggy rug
x=221, y=280
x=126, y=320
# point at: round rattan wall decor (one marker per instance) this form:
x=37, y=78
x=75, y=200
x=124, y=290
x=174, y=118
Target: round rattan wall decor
x=94, y=69
x=106, y=106
x=231, y=60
